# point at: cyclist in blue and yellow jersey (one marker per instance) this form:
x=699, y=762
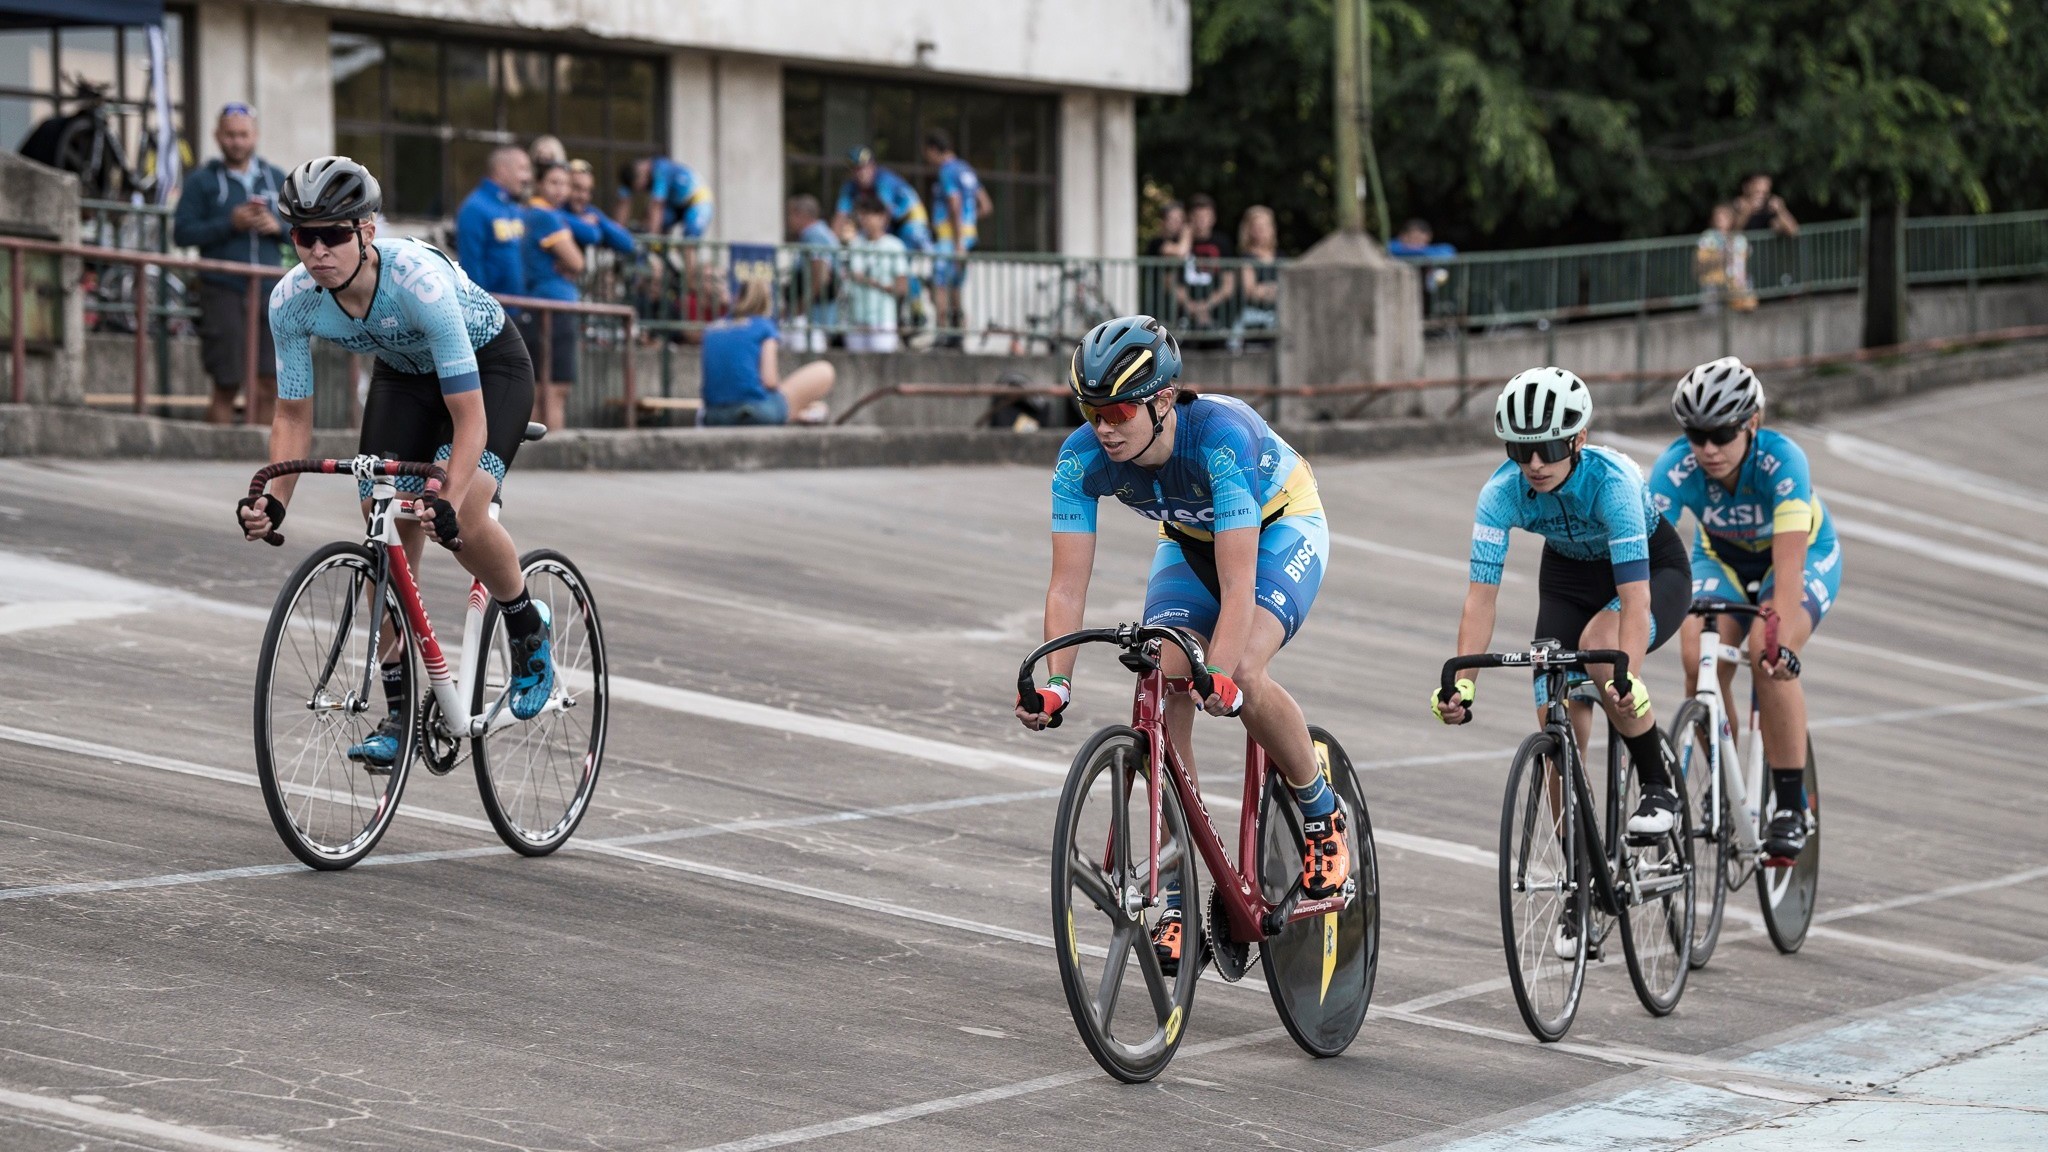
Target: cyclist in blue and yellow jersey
x=676, y=196
x=1242, y=550
x=1749, y=489
x=907, y=218
x=452, y=384
x=1614, y=573
x=958, y=201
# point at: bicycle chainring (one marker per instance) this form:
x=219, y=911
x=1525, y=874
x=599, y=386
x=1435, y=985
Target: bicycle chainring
x=1233, y=959
x=440, y=751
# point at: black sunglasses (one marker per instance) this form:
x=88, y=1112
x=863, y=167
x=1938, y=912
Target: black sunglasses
x=1718, y=437
x=332, y=235
x=1551, y=451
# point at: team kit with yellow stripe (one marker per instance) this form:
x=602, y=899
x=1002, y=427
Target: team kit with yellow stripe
x=1731, y=556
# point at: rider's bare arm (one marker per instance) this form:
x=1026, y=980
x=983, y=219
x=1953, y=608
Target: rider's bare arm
x=1635, y=623
x=1237, y=575
x=1066, y=597
x=291, y=438
x=466, y=409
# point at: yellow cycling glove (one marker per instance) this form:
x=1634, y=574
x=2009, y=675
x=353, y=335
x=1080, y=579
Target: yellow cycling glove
x=1466, y=691
x=1641, y=692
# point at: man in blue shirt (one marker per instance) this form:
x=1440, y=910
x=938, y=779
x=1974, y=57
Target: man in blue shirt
x=229, y=212
x=676, y=196
x=817, y=288
x=958, y=200
x=490, y=229
x=592, y=227
x=907, y=218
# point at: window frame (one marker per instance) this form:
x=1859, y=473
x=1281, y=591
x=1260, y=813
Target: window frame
x=128, y=112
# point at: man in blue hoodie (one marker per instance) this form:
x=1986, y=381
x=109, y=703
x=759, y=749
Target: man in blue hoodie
x=228, y=211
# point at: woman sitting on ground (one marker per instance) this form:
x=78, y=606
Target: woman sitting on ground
x=742, y=382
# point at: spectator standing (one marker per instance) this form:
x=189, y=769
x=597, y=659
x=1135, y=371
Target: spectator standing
x=1170, y=244
x=1757, y=208
x=1258, y=240
x=1721, y=261
x=958, y=201
x=490, y=228
x=229, y=212
x=803, y=223
x=546, y=150
x=742, y=379
x=1204, y=287
x=1416, y=243
x=906, y=212
x=553, y=260
x=595, y=231
x=877, y=277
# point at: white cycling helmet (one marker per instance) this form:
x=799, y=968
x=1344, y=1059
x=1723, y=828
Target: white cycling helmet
x=1718, y=394
x=1542, y=404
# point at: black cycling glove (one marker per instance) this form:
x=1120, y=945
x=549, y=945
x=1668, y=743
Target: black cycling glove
x=446, y=531
x=272, y=507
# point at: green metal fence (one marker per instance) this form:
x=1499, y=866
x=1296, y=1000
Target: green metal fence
x=1968, y=249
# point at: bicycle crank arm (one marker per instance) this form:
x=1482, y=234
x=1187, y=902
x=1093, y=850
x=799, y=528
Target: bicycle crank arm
x=500, y=716
x=1647, y=890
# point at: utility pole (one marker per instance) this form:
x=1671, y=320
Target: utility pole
x=1357, y=162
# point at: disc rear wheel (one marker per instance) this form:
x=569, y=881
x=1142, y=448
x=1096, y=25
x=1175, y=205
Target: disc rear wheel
x=1787, y=894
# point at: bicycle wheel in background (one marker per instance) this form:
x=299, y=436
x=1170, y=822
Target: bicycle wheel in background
x=1542, y=890
x=1130, y=1014
x=537, y=776
x=1657, y=883
x=1787, y=894
x=311, y=708
x=1321, y=971
x=1711, y=832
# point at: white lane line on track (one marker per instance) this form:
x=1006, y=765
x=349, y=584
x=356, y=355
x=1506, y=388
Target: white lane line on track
x=132, y=1124
x=1911, y=660
x=1964, y=709
x=965, y=1100
x=1430, y=559
x=1892, y=462
x=59, y=613
x=1890, y=511
x=1941, y=551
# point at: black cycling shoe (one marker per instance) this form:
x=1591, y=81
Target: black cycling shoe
x=1656, y=814
x=1169, y=936
x=1785, y=836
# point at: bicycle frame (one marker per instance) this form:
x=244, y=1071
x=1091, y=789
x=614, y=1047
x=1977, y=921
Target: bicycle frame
x=1743, y=777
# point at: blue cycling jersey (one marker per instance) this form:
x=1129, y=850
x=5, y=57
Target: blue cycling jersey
x=426, y=316
x=1228, y=470
x=956, y=178
x=1773, y=493
x=1602, y=509
x=906, y=212
x=684, y=197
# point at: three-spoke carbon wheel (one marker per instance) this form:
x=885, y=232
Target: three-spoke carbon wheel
x=1320, y=971
x=1787, y=894
x=318, y=693
x=1707, y=808
x=1656, y=886
x=1130, y=1013
x=1543, y=890
x=536, y=776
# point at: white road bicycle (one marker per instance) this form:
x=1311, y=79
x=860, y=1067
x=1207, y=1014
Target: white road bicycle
x=318, y=692
x=1731, y=803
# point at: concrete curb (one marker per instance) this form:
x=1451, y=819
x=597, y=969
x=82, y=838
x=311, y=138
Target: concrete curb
x=82, y=433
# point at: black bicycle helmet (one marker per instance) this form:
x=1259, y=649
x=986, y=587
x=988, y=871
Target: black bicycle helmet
x=1123, y=360
x=329, y=188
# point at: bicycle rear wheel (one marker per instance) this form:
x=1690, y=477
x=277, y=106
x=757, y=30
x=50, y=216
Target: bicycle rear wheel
x=1131, y=1021
x=1542, y=891
x=1694, y=740
x=536, y=776
x=1320, y=972
x=1656, y=890
x=1787, y=894
x=311, y=707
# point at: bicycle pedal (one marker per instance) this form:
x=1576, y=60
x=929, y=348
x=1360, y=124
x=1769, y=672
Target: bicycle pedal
x=1780, y=861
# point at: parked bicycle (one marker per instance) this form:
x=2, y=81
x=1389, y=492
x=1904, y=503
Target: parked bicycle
x=1730, y=806
x=1561, y=874
x=318, y=692
x=1131, y=825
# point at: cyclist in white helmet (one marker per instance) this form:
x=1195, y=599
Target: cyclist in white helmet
x=1614, y=573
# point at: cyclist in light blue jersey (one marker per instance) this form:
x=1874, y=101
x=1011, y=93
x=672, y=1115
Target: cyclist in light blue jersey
x=452, y=384
x=1614, y=574
x=1241, y=554
x=907, y=217
x=1750, y=491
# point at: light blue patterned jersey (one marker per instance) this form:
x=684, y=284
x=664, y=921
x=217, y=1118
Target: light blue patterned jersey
x=1228, y=470
x=1602, y=509
x=426, y=317
x=1773, y=493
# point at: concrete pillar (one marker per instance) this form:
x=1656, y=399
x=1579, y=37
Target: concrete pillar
x=747, y=178
x=275, y=58
x=221, y=72
x=1080, y=174
x=1349, y=314
x=42, y=203
x=692, y=112
x=1118, y=163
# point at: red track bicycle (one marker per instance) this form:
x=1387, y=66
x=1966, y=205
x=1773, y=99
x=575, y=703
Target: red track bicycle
x=1132, y=823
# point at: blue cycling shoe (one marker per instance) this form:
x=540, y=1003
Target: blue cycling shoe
x=533, y=656
x=379, y=750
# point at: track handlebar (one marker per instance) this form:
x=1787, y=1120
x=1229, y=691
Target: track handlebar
x=1131, y=638
x=436, y=479
x=1544, y=657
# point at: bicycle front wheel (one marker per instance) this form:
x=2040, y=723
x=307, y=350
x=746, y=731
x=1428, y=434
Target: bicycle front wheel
x=536, y=776
x=1656, y=890
x=1320, y=971
x=1131, y=1014
x=1707, y=808
x=1542, y=893
x=318, y=694
x=1787, y=893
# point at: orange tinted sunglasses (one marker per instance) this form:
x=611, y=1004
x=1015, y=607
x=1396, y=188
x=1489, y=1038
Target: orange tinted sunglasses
x=1114, y=413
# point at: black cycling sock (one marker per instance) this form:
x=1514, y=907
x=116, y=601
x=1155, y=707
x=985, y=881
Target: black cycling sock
x=1790, y=785
x=1647, y=750
x=393, y=674
x=522, y=619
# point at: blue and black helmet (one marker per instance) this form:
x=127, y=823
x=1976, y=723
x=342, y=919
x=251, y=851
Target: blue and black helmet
x=1124, y=360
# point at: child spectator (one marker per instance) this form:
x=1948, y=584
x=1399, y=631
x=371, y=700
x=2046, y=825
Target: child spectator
x=877, y=276
x=1721, y=262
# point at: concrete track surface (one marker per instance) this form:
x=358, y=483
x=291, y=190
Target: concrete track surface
x=826, y=935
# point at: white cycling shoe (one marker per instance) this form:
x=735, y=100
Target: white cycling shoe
x=1656, y=814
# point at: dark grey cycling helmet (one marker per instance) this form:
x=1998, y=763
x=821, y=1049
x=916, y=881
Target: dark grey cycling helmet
x=329, y=188
x=1717, y=394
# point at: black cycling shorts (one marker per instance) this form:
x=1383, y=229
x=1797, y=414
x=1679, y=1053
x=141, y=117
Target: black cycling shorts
x=1572, y=592
x=404, y=417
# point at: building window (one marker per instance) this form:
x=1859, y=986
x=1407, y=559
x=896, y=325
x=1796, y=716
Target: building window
x=1007, y=136
x=424, y=112
x=38, y=68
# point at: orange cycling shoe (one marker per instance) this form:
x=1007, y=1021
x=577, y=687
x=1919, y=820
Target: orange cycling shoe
x=1167, y=936
x=1325, y=856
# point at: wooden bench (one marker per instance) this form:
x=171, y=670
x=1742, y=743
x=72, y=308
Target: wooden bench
x=127, y=400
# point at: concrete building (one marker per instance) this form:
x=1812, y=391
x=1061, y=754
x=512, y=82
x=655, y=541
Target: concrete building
x=762, y=97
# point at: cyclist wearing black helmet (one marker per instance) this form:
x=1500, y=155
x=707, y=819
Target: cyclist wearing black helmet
x=452, y=383
x=1241, y=553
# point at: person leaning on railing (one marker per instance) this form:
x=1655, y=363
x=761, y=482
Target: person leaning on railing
x=1258, y=240
x=553, y=261
x=229, y=212
x=816, y=289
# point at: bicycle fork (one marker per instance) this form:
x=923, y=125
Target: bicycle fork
x=1743, y=779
